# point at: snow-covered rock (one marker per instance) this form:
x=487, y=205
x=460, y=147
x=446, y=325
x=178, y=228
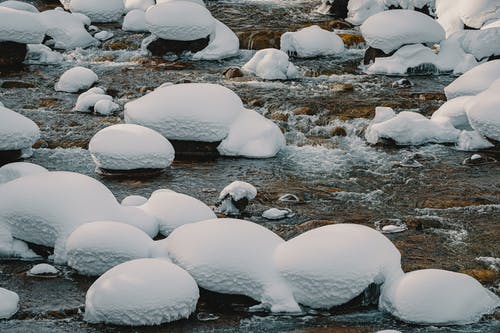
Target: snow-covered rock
x=191, y=111
x=233, y=257
x=180, y=20
x=483, y=111
x=20, y=26
x=437, y=297
x=98, y=10
x=235, y=197
x=19, y=5
x=95, y=247
x=277, y=214
x=447, y=12
x=271, y=64
x=87, y=101
x=311, y=42
x=254, y=136
x=360, y=10
x=39, y=54
x=474, y=81
x=129, y=146
x=411, y=128
x=13, y=248
x=16, y=170
x=223, y=44
x=9, y=303
x=198, y=2
x=76, y=79
x=105, y=107
x=331, y=265
x=58, y=203
x=475, y=13
x=471, y=141
x=141, y=5
x=454, y=112
x=141, y=292
x=389, y=30
x=67, y=30
x=134, y=200
x=480, y=43
x=407, y=57
x=173, y=209
x=104, y=35
x=43, y=269
x=17, y=131
x=135, y=20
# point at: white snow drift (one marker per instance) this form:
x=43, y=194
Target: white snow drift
x=437, y=297
x=271, y=64
x=76, y=79
x=98, y=10
x=58, y=203
x=331, y=265
x=20, y=26
x=233, y=257
x=141, y=292
x=192, y=111
x=135, y=20
x=173, y=209
x=142, y=5
x=16, y=170
x=17, y=131
x=475, y=80
x=129, y=146
x=9, y=303
x=223, y=44
x=93, y=248
x=311, y=42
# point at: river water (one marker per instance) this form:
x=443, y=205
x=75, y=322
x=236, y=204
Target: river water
x=452, y=210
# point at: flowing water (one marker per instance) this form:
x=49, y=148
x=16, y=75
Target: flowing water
x=452, y=211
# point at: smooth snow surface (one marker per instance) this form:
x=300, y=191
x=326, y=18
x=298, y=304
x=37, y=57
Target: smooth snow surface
x=20, y=26
x=9, y=303
x=19, y=5
x=141, y=292
x=328, y=267
x=471, y=141
x=408, y=56
x=16, y=170
x=252, y=136
x=39, y=54
x=483, y=112
x=93, y=248
x=99, y=10
x=433, y=296
x=16, y=131
x=475, y=80
x=88, y=100
x=475, y=13
x=233, y=257
x=105, y=107
x=454, y=112
x=223, y=44
x=42, y=269
x=58, y=203
x=360, y=10
x=389, y=30
x=76, y=79
x=129, y=146
x=238, y=190
x=271, y=64
x=134, y=200
x=411, y=128
x=135, y=20
x=67, y=30
x=311, y=42
x=180, y=20
x=138, y=5
x=189, y=111
x=173, y=209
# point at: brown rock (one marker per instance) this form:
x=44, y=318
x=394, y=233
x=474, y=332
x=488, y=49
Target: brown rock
x=233, y=72
x=352, y=40
x=372, y=53
x=338, y=131
x=119, y=45
x=482, y=275
x=430, y=96
x=17, y=84
x=338, y=8
x=279, y=116
x=305, y=110
x=336, y=24
x=342, y=87
x=261, y=39
x=161, y=46
x=12, y=54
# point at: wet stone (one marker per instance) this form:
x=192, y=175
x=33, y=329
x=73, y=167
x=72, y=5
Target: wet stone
x=134, y=173
x=338, y=131
x=8, y=156
x=161, y=47
x=352, y=40
x=195, y=150
x=371, y=53
x=232, y=72
x=258, y=40
x=338, y=8
x=17, y=84
x=13, y=54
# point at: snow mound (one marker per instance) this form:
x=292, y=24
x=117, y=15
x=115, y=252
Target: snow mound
x=233, y=257
x=180, y=20
x=447, y=12
x=223, y=44
x=238, y=190
x=437, y=297
x=254, y=136
x=271, y=64
x=76, y=79
x=173, y=209
x=16, y=170
x=389, y=30
x=134, y=200
x=411, y=128
x=483, y=112
x=359, y=10
x=135, y=20
x=67, y=30
x=58, y=203
x=311, y=42
x=39, y=54
x=190, y=111
x=89, y=99
x=199, y=2
x=454, y=112
x=20, y=26
x=331, y=265
x=475, y=13
x=9, y=303
x=13, y=248
x=19, y=5
x=98, y=10
x=42, y=269
x=475, y=80
x=480, y=43
x=93, y=248
x=141, y=5
x=128, y=147
x=141, y=292
x=408, y=56
x=17, y=131
x=471, y=141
